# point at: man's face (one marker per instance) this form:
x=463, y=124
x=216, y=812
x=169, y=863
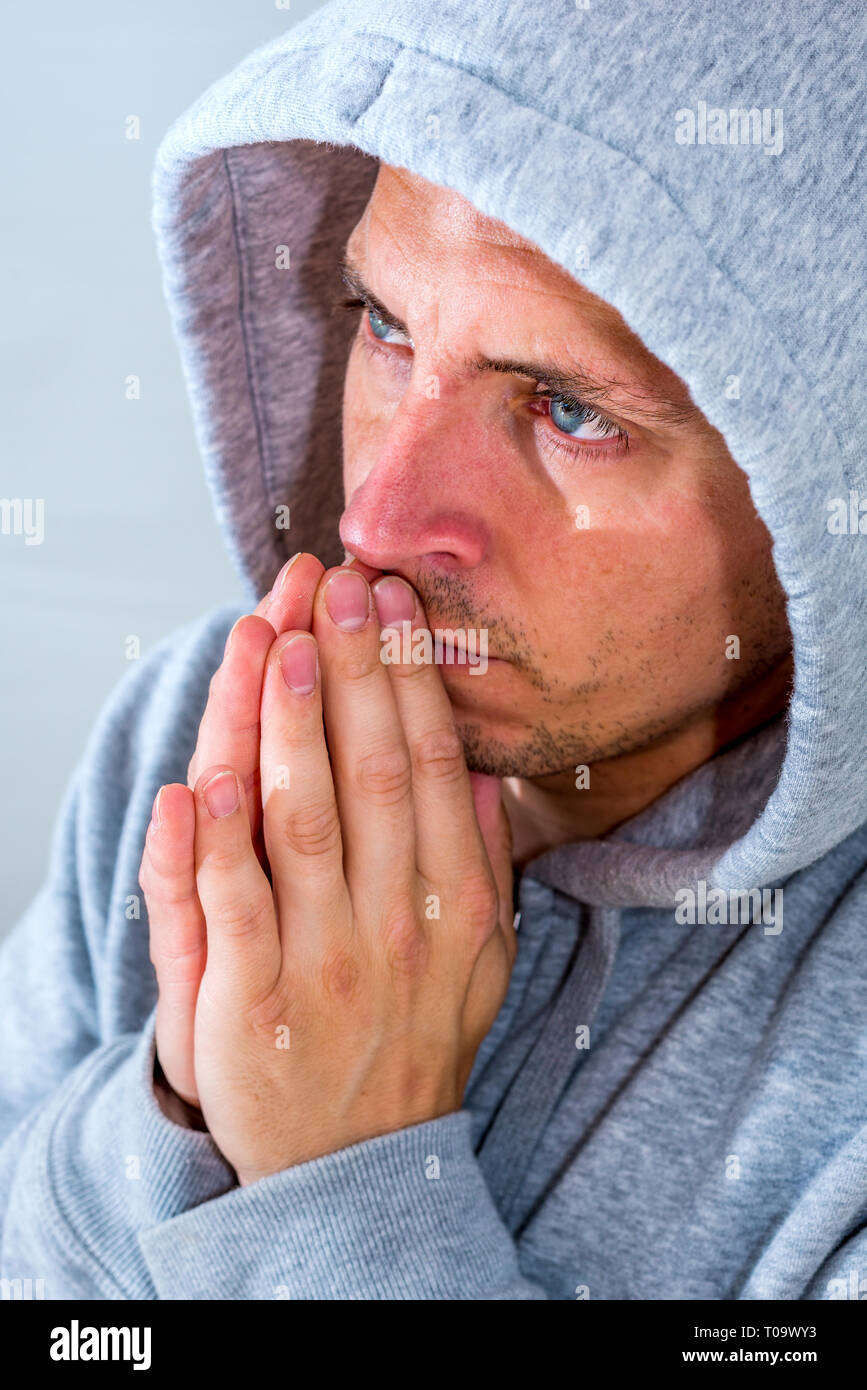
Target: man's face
x=604, y=537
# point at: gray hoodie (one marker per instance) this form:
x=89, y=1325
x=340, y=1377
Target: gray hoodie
x=672, y=1101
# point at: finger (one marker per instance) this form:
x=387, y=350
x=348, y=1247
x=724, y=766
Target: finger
x=493, y=965
x=369, y=754
x=229, y=730
x=352, y=562
x=302, y=827
x=267, y=599
x=289, y=603
x=178, y=942
x=243, y=947
x=449, y=843
x=496, y=833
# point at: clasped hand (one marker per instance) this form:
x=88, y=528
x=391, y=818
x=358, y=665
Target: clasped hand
x=330, y=896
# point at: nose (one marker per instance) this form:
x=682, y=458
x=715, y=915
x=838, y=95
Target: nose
x=424, y=495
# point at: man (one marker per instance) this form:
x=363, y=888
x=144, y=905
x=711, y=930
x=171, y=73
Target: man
x=346, y=1075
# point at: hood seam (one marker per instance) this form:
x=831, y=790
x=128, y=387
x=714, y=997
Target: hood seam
x=243, y=298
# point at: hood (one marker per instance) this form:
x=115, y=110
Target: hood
x=732, y=244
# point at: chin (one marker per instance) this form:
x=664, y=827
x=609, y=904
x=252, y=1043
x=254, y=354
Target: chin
x=485, y=752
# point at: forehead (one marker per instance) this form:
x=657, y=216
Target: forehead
x=408, y=218
x=444, y=211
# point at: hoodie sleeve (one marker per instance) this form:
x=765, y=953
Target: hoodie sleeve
x=104, y=1197
x=108, y=1199
x=404, y=1216
x=87, y=1156
x=91, y=1167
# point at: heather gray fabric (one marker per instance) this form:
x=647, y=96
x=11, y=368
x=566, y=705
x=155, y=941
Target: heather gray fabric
x=661, y=1109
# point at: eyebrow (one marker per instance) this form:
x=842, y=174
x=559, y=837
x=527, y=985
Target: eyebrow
x=590, y=390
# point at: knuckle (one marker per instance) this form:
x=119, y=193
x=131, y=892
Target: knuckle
x=312, y=830
x=240, y=916
x=167, y=883
x=358, y=663
x=385, y=775
x=228, y=858
x=145, y=874
x=268, y=1011
x=340, y=974
x=177, y=963
x=404, y=942
x=178, y=895
x=439, y=754
x=478, y=909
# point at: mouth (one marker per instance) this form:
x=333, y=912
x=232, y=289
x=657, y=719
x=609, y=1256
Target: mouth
x=454, y=658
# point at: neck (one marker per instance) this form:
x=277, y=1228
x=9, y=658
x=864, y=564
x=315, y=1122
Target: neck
x=548, y=811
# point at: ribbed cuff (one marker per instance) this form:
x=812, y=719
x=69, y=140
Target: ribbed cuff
x=403, y=1216
x=117, y=1163
x=101, y=1162
x=181, y=1166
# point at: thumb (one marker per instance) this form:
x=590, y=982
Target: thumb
x=497, y=836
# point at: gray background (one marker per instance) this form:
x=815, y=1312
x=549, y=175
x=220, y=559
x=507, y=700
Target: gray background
x=131, y=546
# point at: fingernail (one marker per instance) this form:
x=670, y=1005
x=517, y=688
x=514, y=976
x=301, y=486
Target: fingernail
x=281, y=577
x=299, y=662
x=347, y=598
x=155, y=813
x=232, y=634
x=221, y=794
x=395, y=600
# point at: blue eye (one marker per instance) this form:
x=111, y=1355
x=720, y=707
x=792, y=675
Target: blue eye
x=377, y=326
x=566, y=416
x=385, y=332
x=578, y=420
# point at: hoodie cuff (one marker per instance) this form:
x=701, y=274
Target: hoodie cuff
x=404, y=1216
x=117, y=1163
x=99, y=1163
x=181, y=1165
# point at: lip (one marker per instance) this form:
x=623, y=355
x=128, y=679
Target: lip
x=454, y=664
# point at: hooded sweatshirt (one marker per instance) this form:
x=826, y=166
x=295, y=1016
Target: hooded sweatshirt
x=672, y=1101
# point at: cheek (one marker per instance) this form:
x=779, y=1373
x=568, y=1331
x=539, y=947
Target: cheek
x=635, y=544
x=654, y=571
x=371, y=398
x=365, y=425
